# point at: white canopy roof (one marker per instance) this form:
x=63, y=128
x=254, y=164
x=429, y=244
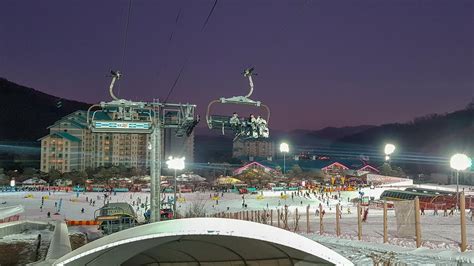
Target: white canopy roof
x=206, y=241
x=190, y=178
x=6, y=212
x=34, y=181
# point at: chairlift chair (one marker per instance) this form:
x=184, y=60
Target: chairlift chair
x=120, y=116
x=223, y=122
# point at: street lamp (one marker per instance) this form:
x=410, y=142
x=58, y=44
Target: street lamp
x=459, y=162
x=284, y=148
x=175, y=164
x=389, y=149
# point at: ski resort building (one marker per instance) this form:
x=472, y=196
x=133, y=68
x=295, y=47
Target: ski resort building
x=71, y=146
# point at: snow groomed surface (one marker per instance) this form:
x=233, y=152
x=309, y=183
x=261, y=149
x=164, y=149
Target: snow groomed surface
x=203, y=240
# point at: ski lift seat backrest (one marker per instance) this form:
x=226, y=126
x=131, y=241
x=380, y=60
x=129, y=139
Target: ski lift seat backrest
x=219, y=121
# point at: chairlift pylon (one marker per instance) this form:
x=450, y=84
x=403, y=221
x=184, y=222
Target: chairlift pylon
x=242, y=129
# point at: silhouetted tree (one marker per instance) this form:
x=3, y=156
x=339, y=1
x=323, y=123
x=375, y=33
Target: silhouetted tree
x=53, y=175
x=295, y=172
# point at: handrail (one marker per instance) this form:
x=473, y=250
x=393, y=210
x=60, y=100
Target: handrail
x=251, y=87
x=115, y=76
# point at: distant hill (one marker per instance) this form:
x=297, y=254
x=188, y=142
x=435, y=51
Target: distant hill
x=334, y=133
x=322, y=136
x=26, y=113
x=435, y=134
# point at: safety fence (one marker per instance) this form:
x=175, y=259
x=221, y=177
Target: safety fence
x=409, y=225
x=81, y=222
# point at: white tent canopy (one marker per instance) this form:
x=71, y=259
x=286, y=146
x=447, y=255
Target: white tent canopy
x=203, y=241
x=6, y=212
x=190, y=178
x=34, y=181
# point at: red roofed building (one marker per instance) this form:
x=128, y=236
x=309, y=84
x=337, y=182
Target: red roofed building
x=254, y=165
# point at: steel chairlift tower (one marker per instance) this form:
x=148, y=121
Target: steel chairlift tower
x=129, y=117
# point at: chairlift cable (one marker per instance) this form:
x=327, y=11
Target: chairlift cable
x=176, y=80
x=177, y=17
x=170, y=38
x=209, y=16
x=122, y=62
x=189, y=55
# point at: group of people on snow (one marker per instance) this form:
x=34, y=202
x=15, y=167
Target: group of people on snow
x=251, y=127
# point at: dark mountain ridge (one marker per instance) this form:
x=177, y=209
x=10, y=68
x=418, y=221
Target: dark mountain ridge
x=438, y=134
x=26, y=113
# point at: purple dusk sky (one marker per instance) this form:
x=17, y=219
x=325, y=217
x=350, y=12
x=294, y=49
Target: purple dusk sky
x=320, y=63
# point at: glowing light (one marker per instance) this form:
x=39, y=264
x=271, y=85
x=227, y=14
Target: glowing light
x=387, y=157
x=460, y=162
x=12, y=183
x=389, y=149
x=284, y=147
x=175, y=163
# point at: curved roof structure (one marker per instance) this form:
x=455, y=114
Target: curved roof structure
x=203, y=241
x=6, y=212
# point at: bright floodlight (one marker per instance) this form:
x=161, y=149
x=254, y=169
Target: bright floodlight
x=387, y=157
x=460, y=162
x=175, y=163
x=284, y=147
x=389, y=149
x=12, y=183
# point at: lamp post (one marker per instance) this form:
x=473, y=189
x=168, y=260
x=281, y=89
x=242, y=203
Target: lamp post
x=459, y=162
x=389, y=149
x=284, y=148
x=175, y=164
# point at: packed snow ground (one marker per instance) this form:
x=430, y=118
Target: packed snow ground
x=72, y=202
x=20, y=249
x=438, y=232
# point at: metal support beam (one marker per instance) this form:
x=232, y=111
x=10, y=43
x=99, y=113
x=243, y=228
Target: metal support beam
x=155, y=171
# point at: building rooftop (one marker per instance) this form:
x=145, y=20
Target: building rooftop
x=67, y=136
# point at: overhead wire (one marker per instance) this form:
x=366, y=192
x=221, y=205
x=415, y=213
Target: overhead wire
x=176, y=81
x=170, y=39
x=189, y=55
x=124, y=47
x=209, y=16
x=183, y=66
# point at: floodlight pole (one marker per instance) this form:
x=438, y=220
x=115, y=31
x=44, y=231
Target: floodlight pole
x=174, y=204
x=459, y=162
x=457, y=190
x=284, y=163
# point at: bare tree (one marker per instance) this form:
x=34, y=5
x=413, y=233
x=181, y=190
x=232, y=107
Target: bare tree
x=196, y=209
x=264, y=217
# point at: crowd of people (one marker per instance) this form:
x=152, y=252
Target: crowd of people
x=251, y=127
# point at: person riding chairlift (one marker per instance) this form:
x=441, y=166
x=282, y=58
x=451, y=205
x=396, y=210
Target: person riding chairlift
x=262, y=127
x=252, y=127
x=235, y=121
